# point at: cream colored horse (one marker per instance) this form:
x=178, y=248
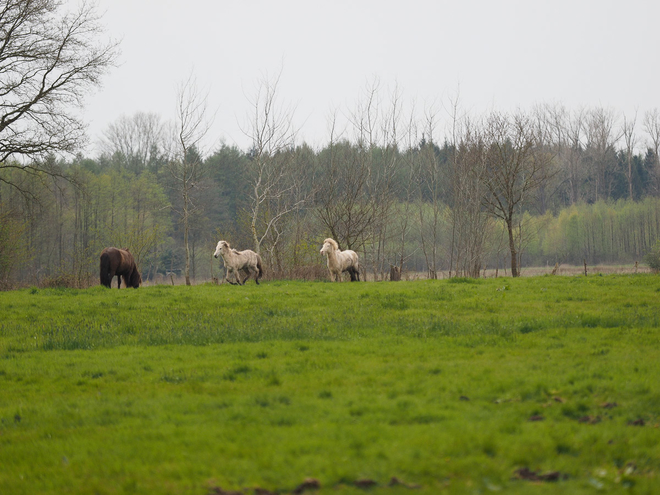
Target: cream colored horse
x=340, y=261
x=236, y=261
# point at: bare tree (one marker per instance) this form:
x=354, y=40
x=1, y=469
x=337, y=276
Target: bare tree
x=514, y=168
x=343, y=207
x=49, y=60
x=137, y=141
x=470, y=222
x=186, y=167
x=652, y=127
x=429, y=178
x=574, y=155
x=358, y=179
x=405, y=212
x=600, y=151
x=275, y=178
x=385, y=162
x=630, y=139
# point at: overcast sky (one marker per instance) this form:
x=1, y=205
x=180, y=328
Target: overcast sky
x=502, y=55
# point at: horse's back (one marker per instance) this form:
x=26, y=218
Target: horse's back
x=117, y=259
x=249, y=255
x=111, y=256
x=352, y=255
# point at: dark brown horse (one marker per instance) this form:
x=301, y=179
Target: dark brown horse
x=119, y=262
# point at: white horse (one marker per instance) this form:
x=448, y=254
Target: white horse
x=340, y=261
x=246, y=261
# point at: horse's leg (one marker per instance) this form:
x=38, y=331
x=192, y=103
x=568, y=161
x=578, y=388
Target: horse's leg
x=245, y=271
x=237, y=275
x=111, y=275
x=253, y=269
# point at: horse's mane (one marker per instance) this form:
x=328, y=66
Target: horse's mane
x=332, y=242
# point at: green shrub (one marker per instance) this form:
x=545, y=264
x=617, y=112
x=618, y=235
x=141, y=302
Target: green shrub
x=652, y=258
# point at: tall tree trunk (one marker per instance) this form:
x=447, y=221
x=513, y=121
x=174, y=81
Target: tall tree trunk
x=255, y=238
x=512, y=248
x=630, y=176
x=255, y=215
x=186, y=229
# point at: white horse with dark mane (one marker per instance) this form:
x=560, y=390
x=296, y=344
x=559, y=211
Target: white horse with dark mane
x=246, y=261
x=340, y=261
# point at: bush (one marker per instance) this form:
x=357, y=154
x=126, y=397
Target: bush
x=68, y=281
x=652, y=258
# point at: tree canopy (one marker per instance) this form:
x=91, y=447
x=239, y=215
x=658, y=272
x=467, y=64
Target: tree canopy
x=49, y=59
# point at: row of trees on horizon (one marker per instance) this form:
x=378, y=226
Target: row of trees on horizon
x=504, y=191
x=438, y=192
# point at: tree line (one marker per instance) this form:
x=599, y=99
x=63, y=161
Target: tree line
x=437, y=192
x=504, y=191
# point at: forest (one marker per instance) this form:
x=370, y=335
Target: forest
x=430, y=192
x=504, y=191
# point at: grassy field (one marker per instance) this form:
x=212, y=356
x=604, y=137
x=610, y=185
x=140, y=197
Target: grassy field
x=530, y=385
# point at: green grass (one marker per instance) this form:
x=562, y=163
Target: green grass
x=186, y=389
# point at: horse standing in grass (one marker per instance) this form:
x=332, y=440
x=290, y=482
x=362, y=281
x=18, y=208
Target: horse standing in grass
x=246, y=261
x=119, y=262
x=340, y=261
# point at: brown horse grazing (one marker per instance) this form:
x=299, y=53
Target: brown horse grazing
x=119, y=262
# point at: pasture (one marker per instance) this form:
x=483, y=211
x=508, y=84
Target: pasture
x=528, y=385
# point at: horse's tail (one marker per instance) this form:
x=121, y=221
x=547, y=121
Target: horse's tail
x=356, y=268
x=260, y=268
x=105, y=270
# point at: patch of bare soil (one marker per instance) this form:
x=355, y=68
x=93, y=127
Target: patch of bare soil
x=310, y=484
x=524, y=473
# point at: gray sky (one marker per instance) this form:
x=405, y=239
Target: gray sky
x=502, y=55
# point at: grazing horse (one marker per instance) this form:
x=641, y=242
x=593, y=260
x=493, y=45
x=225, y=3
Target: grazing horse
x=119, y=262
x=236, y=261
x=340, y=261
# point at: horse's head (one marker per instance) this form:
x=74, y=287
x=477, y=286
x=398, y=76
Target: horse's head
x=136, y=279
x=218, y=249
x=329, y=245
